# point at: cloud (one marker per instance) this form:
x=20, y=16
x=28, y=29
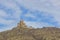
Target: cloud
x=3, y=13
x=9, y=14
x=38, y=24
x=3, y=21
x=37, y=13
x=40, y=18
x=29, y=15
x=10, y=5
x=50, y=6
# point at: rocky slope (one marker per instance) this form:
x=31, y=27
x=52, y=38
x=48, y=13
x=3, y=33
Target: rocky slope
x=22, y=32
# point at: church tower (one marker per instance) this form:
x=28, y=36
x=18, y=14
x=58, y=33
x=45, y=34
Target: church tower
x=22, y=24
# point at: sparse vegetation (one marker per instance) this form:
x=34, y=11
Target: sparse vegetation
x=25, y=33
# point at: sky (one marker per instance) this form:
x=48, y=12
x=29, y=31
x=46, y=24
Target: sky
x=35, y=13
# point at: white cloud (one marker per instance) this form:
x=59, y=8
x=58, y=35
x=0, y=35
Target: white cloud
x=3, y=13
x=30, y=15
x=9, y=4
x=12, y=5
x=38, y=24
x=50, y=6
x=6, y=22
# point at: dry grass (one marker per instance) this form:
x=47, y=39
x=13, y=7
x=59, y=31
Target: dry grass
x=25, y=33
x=31, y=34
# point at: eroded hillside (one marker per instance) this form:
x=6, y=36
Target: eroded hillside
x=22, y=32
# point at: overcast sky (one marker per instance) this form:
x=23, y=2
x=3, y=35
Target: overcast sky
x=36, y=13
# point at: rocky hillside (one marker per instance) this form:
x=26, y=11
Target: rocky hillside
x=22, y=32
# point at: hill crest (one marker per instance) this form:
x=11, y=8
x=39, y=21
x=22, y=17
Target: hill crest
x=22, y=32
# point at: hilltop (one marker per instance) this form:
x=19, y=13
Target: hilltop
x=22, y=32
